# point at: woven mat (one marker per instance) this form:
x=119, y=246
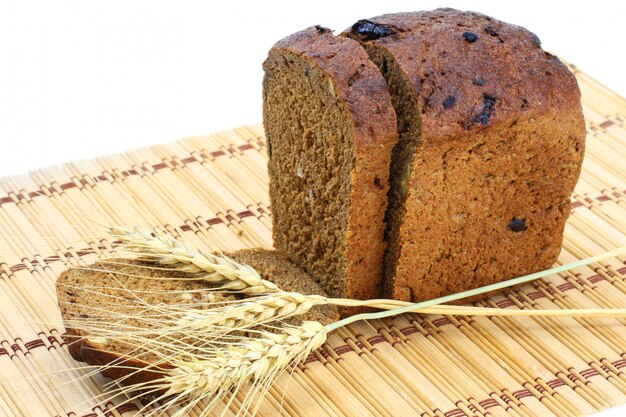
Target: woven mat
x=214, y=188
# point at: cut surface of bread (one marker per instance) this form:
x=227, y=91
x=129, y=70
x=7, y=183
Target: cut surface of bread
x=491, y=145
x=113, y=286
x=330, y=128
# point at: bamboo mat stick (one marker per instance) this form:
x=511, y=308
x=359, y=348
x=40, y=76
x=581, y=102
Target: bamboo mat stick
x=517, y=365
x=239, y=193
x=543, y=348
x=395, y=381
x=422, y=364
x=254, y=191
x=355, y=388
x=587, y=345
x=173, y=196
x=256, y=183
x=101, y=193
x=253, y=163
x=388, y=360
x=442, y=356
x=465, y=385
x=70, y=202
x=603, y=329
x=353, y=402
x=323, y=401
x=193, y=217
x=201, y=189
x=293, y=383
x=575, y=345
x=396, y=402
x=610, y=212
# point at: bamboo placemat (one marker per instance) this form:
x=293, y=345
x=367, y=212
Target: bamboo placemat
x=214, y=188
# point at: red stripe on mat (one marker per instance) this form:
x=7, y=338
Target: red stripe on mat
x=587, y=373
x=455, y=413
x=606, y=124
x=488, y=403
x=88, y=251
x=443, y=321
x=130, y=172
x=505, y=303
x=522, y=394
x=565, y=286
x=556, y=383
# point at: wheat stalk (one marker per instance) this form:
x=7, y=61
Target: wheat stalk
x=165, y=249
x=252, y=312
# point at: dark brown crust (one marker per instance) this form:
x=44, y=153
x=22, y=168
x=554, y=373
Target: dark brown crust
x=364, y=94
x=82, y=350
x=128, y=371
x=356, y=79
x=486, y=92
x=507, y=61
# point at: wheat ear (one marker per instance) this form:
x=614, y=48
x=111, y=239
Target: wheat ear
x=165, y=249
x=253, y=359
x=251, y=312
x=217, y=372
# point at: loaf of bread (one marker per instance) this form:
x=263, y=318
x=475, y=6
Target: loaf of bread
x=330, y=128
x=491, y=139
x=111, y=285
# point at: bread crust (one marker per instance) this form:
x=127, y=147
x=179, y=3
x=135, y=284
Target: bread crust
x=505, y=61
x=356, y=80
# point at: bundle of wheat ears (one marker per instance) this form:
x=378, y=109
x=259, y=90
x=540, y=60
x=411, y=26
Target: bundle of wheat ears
x=240, y=346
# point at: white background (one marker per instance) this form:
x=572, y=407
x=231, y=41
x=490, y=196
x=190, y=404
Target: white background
x=80, y=79
x=84, y=78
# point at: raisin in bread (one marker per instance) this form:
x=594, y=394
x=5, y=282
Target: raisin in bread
x=491, y=140
x=113, y=285
x=330, y=128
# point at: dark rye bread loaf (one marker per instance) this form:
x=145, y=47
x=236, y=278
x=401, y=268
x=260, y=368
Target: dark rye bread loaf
x=112, y=284
x=491, y=140
x=330, y=128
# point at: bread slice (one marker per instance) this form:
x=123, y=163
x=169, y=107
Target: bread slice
x=330, y=128
x=113, y=284
x=491, y=140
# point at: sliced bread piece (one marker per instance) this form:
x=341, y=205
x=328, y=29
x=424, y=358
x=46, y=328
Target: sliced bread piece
x=114, y=284
x=491, y=140
x=330, y=128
